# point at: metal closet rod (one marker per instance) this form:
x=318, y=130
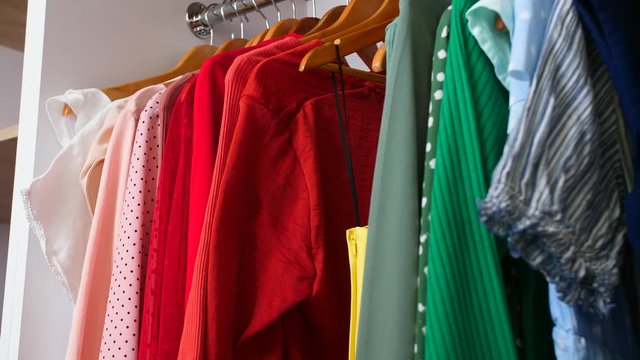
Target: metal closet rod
x=243, y=8
x=201, y=19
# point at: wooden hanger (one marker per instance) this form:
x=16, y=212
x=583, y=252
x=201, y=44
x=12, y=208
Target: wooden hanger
x=305, y=25
x=284, y=27
x=281, y=28
x=364, y=75
x=355, y=13
x=191, y=61
x=232, y=44
x=329, y=18
x=301, y=26
x=324, y=56
x=257, y=38
x=379, y=63
x=292, y=25
x=348, y=44
x=387, y=11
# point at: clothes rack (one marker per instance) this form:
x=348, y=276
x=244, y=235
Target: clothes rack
x=202, y=18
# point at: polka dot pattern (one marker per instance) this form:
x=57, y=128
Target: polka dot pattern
x=437, y=93
x=122, y=322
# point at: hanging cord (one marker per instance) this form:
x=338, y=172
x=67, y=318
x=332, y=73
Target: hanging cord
x=342, y=116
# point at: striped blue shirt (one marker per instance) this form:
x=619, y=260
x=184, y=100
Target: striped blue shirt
x=556, y=193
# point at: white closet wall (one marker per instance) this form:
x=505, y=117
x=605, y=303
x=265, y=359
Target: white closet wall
x=81, y=44
x=10, y=84
x=4, y=248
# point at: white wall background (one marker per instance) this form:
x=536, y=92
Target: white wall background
x=4, y=247
x=10, y=83
x=81, y=44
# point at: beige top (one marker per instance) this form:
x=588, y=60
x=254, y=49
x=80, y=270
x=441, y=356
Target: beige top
x=94, y=163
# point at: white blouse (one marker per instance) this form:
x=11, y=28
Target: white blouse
x=55, y=202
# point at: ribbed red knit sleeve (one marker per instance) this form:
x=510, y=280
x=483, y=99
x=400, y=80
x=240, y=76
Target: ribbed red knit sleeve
x=207, y=119
x=212, y=131
x=235, y=81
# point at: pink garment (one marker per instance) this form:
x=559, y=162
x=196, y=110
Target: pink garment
x=94, y=163
x=91, y=306
x=172, y=105
x=122, y=323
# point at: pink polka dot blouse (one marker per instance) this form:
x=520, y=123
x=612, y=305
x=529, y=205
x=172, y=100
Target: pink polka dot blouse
x=122, y=323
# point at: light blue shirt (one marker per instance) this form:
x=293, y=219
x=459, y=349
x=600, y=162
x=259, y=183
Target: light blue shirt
x=495, y=43
x=531, y=18
x=582, y=335
x=578, y=334
x=515, y=52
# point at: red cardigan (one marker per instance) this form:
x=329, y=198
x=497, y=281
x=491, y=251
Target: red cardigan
x=207, y=113
x=278, y=274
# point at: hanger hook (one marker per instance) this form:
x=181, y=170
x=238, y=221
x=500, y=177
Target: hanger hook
x=206, y=19
x=246, y=19
x=266, y=21
x=224, y=18
x=275, y=5
x=293, y=8
x=234, y=5
x=313, y=6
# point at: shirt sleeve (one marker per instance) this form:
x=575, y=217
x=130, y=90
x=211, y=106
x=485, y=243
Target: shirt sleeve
x=495, y=42
x=556, y=193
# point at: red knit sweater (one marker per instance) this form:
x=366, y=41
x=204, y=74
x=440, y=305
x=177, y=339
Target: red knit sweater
x=278, y=274
x=209, y=103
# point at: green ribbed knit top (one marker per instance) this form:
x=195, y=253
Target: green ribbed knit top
x=466, y=311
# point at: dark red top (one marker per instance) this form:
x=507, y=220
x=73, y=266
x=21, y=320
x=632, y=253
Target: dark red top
x=278, y=282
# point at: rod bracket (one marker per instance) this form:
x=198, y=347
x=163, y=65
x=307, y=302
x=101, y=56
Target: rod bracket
x=197, y=19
